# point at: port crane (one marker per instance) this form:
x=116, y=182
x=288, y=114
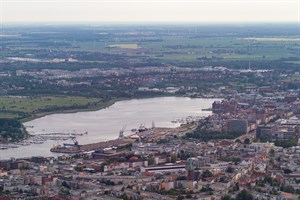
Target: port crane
x=153, y=124
x=121, y=133
x=75, y=143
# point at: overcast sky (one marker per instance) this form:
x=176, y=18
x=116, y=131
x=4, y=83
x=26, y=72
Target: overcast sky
x=194, y=11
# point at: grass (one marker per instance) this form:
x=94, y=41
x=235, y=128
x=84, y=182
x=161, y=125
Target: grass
x=8, y=115
x=33, y=107
x=213, y=46
x=272, y=39
x=31, y=104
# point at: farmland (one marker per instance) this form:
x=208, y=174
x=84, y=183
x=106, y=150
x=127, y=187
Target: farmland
x=82, y=67
x=273, y=39
x=171, y=44
x=124, y=46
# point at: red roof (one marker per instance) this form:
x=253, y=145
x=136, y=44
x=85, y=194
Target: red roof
x=133, y=158
x=5, y=198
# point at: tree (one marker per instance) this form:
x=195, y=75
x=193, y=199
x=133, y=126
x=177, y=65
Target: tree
x=206, y=189
x=271, y=161
x=206, y=174
x=173, y=158
x=288, y=188
x=180, y=197
x=65, y=184
x=247, y=141
x=222, y=179
x=151, y=161
x=238, y=141
x=236, y=187
x=229, y=170
x=64, y=192
x=272, y=152
x=227, y=197
x=287, y=171
x=77, y=168
x=244, y=195
x=286, y=143
x=125, y=196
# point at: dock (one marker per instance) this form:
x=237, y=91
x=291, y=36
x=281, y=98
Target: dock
x=150, y=135
x=207, y=109
x=92, y=146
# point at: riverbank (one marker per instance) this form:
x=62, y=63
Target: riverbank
x=104, y=105
x=25, y=108
x=105, y=124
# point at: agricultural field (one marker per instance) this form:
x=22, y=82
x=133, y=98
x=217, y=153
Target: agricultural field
x=124, y=46
x=160, y=44
x=170, y=44
x=101, y=61
x=273, y=39
x=8, y=35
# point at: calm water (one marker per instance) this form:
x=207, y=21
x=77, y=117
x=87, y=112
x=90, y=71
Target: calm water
x=105, y=124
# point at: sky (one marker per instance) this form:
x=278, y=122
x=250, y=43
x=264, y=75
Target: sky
x=193, y=11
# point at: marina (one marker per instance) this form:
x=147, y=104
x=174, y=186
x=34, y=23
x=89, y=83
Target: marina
x=40, y=139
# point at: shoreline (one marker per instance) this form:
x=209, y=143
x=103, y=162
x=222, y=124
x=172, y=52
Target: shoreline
x=188, y=101
x=103, y=106
x=100, y=107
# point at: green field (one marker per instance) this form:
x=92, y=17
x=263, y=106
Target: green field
x=128, y=47
x=32, y=107
x=173, y=48
x=224, y=48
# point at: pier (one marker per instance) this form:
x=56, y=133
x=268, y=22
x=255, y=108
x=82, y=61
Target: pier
x=92, y=147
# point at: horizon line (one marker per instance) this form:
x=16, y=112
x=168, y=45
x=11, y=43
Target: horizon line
x=146, y=22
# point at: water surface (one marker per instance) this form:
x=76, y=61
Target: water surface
x=105, y=124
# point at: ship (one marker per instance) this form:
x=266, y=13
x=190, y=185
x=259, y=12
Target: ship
x=142, y=128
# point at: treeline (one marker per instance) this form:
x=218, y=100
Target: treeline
x=292, y=141
x=64, y=108
x=13, y=129
x=286, y=143
x=203, y=135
